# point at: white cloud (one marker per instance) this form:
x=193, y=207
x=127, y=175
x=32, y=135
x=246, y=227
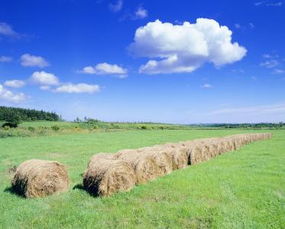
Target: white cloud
x=206, y=85
x=186, y=47
x=141, y=13
x=105, y=69
x=10, y=96
x=14, y=83
x=269, y=63
x=117, y=6
x=78, y=88
x=7, y=30
x=44, y=78
x=5, y=59
x=29, y=60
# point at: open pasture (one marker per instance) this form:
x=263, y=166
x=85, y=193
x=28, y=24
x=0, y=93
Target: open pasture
x=240, y=189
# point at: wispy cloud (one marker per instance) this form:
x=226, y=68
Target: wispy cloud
x=7, y=30
x=141, y=13
x=265, y=109
x=5, y=59
x=279, y=71
x=273, y=62
x=269, y=63
x=207, y=85
x=269, y=3
x=116, y=6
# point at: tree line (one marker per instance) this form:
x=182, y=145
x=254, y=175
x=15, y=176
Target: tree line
x=16, y=115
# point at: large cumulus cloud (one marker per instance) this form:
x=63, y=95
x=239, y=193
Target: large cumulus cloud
x=184, y=48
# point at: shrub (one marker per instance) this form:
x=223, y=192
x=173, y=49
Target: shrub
x=55, y=128
x=8, y=125
x=32, y=129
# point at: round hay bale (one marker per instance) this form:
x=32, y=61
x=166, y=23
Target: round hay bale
x=105, y=176
x=99, y=156
x=144, y=165
x=197, y=154
x=161, y=158
x=39, y=178
x=177, y=154
x=179, y=157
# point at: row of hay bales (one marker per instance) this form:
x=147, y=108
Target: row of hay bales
x=110, y=173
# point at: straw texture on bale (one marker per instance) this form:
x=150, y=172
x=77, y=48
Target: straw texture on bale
x=161, y=158
x=178, y=155
x=143, y=164
x=40, y=178
x=105, y=175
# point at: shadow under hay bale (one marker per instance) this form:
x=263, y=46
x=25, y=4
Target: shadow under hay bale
x=105, y=176
x=40, y=178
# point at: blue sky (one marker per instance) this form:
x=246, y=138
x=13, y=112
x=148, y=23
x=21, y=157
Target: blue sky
x=179, y=61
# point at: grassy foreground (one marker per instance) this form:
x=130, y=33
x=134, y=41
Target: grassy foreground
x=242, y=189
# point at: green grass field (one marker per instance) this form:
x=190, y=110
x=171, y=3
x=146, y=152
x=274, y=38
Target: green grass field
x=241, y=189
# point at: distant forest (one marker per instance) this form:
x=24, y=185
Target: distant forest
x=27, y=114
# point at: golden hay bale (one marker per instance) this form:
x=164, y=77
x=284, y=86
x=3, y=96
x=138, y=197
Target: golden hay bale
x=144, y=165
x=39, y=178
x=179, y=157
x=99, y=156
x=197, y=153
x=161, y=158
x=105, y=176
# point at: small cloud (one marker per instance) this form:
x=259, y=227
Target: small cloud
x=117, y=6
x=245, y=26
x=259, y=3
x=238, y=26
x=206, y=85
x=29, y=60
x=104, y=69
x=5, y=59
x=278, y=71
x=141, y=13
x=44, y=78
x=78, y=88
x=275, y=4
x=10, y=96
x=7, y=30
x=251, y=25
x=269, y=63
x=14, y=83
